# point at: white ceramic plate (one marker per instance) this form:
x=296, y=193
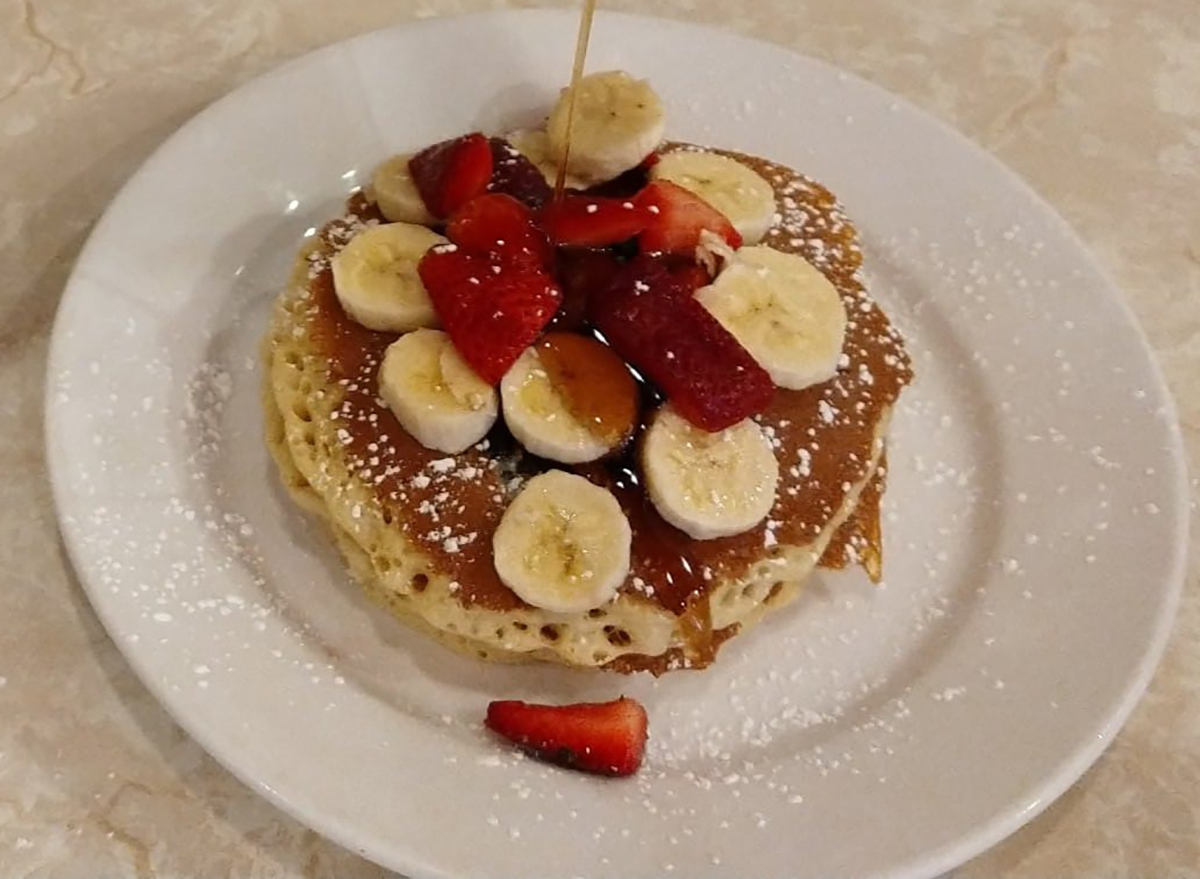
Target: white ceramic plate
x=1035, y=526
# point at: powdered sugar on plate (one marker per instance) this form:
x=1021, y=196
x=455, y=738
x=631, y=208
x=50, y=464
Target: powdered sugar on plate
x=824, y=688
x=1012, y=629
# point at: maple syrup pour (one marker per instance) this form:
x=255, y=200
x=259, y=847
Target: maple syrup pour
x=581, y=46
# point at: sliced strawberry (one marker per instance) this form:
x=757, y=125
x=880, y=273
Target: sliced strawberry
x=679, y=218
x=691, y=275
x=582, y=273
x=515, y=175
x=451, y=173
x=588, y=221
x=492, y=310
x=651, y=319
x=604, y=738
x=499, y=224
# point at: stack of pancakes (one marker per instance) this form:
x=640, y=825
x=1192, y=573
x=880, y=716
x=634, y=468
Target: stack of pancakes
x=415, y=526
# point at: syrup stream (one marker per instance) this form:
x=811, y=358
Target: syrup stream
x=581, y=45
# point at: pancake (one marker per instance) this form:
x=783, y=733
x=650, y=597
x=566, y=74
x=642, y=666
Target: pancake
x=859, y=540
x=416, y=525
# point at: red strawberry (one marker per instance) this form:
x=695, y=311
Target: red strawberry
x=690, y=275
x=605, y=738
x=582, y=273
x=679, y=218
x=491, y=309
x=515, y=175
x=651, y=319
x=586, y=221
x=451, y=173
x=499, y=224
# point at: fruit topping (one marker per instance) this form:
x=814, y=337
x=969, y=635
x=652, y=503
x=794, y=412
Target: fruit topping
x=534, y=144
x=492, y=310
x=570, y=399
x=606, y=738
x=499, y=224
x=434, y=394
x=588, y=221
x=514, y=174
x=709, y=484
x=563, y=544
x=594, y=382
x=375, y=277
x=784, y=311
x=691, y=275
x=652, y=320
x=583, y=273
x=679, y=218
x=451, y=173
x=396, y=194
x=617, y=120
x=742, y=195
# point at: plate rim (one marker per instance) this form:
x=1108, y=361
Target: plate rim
x=929, y=864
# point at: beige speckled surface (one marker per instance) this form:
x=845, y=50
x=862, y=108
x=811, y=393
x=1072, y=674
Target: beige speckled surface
x=1095, y=102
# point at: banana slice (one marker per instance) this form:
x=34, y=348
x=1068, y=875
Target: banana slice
x=563, y=544
x=737, y=191
x=546, y=411
x=376, y=281
x=618, y=121
x=434, y=394
x=534, y=144
x=783, y=311
x=393, y=189
x=709, y=484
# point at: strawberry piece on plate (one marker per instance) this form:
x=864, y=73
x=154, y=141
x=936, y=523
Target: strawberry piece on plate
x=651, y=319
x=499, y=224
x=678, y=218
x=515, y=175
x=493, y=310
x=451, y=173
x=604, y=738
x=588, y=221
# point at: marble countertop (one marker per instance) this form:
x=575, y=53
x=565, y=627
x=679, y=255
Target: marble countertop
x=1095, y=102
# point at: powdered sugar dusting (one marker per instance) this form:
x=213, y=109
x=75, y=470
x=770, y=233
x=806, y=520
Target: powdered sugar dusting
x=990, y=491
